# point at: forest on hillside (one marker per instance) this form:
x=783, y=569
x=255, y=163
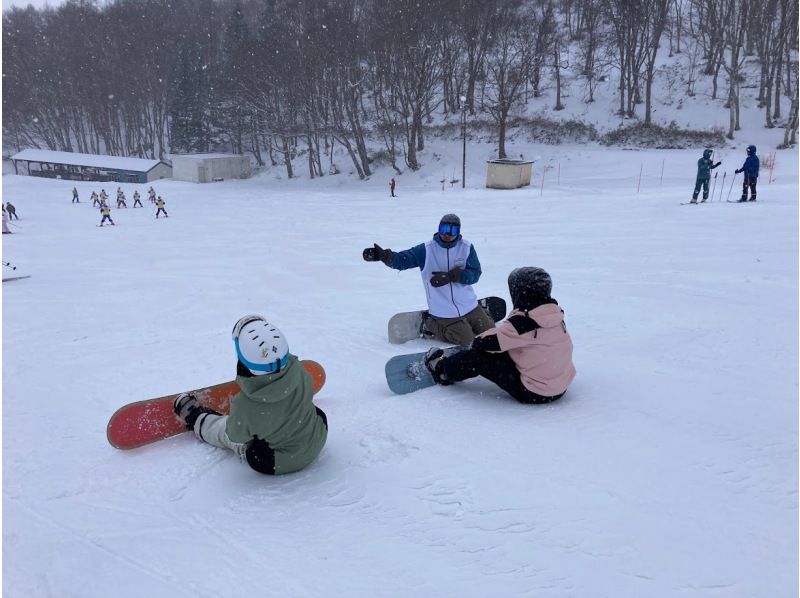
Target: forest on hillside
x=280, y=78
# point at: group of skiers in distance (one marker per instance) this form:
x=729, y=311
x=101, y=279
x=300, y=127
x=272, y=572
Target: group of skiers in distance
x=100, y=200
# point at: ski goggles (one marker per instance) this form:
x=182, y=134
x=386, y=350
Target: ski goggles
x=445, y=228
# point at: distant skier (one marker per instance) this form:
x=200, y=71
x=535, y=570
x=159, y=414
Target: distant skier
x=106, y=212
x=392, y=185
x=6, y=230
x=95, y=199
x=151, y=195
x=704, y=167
x=12, y=211
x=75, y=195
x=273, y=425
x=160, y=205
x=449, y=267
x=529, y=355
x=103, y=196
x=121, y=200
x=750, y=169
x=137, y=199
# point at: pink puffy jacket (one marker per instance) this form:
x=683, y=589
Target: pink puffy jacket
x=543, y=356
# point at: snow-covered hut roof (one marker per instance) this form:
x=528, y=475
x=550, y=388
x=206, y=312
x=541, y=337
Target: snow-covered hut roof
x=89, y=160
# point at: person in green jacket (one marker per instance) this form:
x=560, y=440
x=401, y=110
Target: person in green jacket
x=273, y=425
x=704, y=167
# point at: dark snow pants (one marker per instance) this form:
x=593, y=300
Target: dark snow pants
x=749, y=182
x=497, y=367
x=701, y=183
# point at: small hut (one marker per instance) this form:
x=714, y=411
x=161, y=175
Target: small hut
x=508, y=174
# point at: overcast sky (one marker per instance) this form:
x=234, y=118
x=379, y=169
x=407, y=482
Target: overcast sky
x=23, y=3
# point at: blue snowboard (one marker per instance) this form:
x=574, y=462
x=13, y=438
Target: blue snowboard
x=408, y=373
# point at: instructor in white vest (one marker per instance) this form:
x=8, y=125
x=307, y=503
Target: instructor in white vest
x=449, y=266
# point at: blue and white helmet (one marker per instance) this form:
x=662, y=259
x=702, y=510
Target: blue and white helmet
x=260, y=346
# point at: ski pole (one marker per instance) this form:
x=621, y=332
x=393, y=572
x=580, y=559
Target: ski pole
x=731, y=189
x=714, y=186
x=9, y=265
x=721, y=187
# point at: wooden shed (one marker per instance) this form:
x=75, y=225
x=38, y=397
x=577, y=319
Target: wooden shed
x=508, y=174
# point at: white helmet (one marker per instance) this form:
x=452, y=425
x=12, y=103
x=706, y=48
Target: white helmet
x=260, y=346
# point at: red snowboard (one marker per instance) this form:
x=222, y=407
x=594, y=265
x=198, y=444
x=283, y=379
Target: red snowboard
x=143, y=422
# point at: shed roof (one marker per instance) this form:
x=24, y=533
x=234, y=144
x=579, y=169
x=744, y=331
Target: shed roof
x=204, y=156
x=90, y=160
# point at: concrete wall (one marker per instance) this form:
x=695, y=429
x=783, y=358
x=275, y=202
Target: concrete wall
x=204, y=168
x=508, y=174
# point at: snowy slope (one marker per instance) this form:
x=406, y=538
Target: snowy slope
x=669, y=469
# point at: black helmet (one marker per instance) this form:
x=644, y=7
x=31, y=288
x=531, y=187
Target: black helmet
x=707, y=153
x=751, y=150
x=529, y=286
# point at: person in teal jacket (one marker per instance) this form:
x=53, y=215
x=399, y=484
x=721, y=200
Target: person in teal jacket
x=704, y=167
x=273, y=425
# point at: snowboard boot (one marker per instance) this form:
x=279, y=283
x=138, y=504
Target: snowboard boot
x=433, y=361
x=188, y=409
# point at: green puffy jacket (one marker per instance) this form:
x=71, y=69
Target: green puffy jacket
x=705, y=165
x=277, y=408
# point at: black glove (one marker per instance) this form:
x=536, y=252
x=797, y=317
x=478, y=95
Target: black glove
x=737, y=171
x=378, y=254
x=439, y=279
x=717, y=164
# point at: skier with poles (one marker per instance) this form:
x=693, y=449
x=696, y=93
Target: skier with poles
x=750, y=169
x=704, y=167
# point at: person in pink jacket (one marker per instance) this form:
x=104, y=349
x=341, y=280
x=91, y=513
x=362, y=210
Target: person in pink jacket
x=529, y=355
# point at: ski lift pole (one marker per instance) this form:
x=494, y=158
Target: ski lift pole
x=661, y=181
x=541, y=189
x=639, y=184
x=731, y=189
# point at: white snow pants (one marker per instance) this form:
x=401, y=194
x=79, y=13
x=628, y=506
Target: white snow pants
x=210, y=429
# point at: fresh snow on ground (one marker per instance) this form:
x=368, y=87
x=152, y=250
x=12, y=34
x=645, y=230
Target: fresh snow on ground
x=668, y=469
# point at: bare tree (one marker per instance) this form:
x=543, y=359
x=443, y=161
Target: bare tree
x=507, y=67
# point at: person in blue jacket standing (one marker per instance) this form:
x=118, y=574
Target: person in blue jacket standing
x=449, y=266
x=750, y=169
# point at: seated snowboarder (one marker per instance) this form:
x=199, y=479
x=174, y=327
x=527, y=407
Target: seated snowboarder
x=273, y=426
x=449, y=267
x=529, y=355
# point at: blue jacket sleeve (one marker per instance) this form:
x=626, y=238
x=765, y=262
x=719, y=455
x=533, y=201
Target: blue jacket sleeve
x=472, y=273
x=410, y=258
